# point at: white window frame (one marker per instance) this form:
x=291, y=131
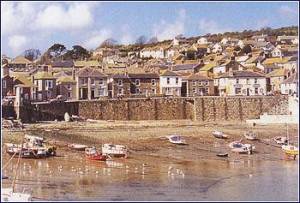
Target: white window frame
x=137, y=82
x=153, y=82
x=101, y=90
x=120, y=82
x=168, y=80
x=49, y=84
x=177, y=80
x=137, y=91
x=153, y=90
x=194, y=83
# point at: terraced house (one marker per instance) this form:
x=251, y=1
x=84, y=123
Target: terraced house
x=46, y=86
x=199, y=85
x=242, y=83
x=144, y=84
x=170, y=83
x=91, y=84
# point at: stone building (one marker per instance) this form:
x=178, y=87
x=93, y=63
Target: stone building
x=66, y=86
x=46, y=86
x=91, y=84
x=199, y=85
x=144, y=84
x=120, y=85
x=7, y=81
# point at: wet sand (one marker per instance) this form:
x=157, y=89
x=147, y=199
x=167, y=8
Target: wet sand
x=157, y=169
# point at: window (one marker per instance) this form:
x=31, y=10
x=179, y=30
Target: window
x=92, y=81
x=200, y=83
x=120, y=91
x=237, y=81
x=68, y=86
x=177, y=80
x=194, y=83
x=4, y=83
x=137, y=82
x=101, y=82
x=153, y=91
x=168, y=80
x=205, y=83
x=256, y=90
x=247, y=81
x=137, y=91
x=194, y=90
x=69, y=94
x=50, y=84
x=255, y=80
x=101, y=92
x=120, y=82
x=168, y=90
x=153, y=82
x=237, y=90
x=82, y=81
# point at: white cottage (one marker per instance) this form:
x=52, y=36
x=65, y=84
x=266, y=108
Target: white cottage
x=170, y=83
x=290, y=86
x=242, y=83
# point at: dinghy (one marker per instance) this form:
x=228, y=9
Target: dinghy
x=219, y=134
x=92, y=154
x=78, y=147
x=250, y=135
x=115, y=150
x=281, y=140
x=176, y=139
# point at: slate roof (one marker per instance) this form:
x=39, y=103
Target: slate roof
x=144, y=75
x=198, y=77
x=90, y=72
x=241, y=74
x=64, y=64
x=179, y=67
x=169, y=73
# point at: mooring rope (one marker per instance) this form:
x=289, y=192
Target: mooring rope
x=8, y=161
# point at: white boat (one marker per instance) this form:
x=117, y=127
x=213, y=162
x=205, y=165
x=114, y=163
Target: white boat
x=219, y=134
x=7, y=195
x=177, y=139
x=250, y=135
x=115, y=150
x=290, y=149
x=238, y=147
x=281, y=140
x=79, y=147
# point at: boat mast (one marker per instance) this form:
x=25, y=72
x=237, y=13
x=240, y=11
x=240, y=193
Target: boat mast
x=16, y=172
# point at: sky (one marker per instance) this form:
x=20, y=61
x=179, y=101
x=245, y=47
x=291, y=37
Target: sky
x=39, y=25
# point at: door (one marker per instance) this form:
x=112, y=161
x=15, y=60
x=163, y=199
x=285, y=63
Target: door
x=248, y=92
x=184, y=89
x=92, y=94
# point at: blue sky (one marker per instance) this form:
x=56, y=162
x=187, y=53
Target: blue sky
x=27, y=25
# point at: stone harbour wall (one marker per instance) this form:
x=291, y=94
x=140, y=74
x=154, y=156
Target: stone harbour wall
x=212, y=108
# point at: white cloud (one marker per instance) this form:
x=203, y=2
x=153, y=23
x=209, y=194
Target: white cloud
x=164, y=30
x=17, y=43
x=56, y=16
x=287, y=11
x=210, y=26
x=96, y=38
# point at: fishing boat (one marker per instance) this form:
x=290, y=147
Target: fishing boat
x=26, y=152
x=238, y=147
x=115, y=150
x=78, y=147
x=250, y=135
x=290, y=149
x=219, y=134
x=176, y=139
x=38, y=143
x=281, y=140
x=92, y=154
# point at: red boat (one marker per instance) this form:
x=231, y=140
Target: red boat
x=92, y=154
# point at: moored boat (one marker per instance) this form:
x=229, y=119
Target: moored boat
x=115, y=150
x=250, y=135
x=281, y=140
x=27, y=152
x=219, y=134
x=290, y=149
x=222, y=155
x=177, y=139
x=238, y=147
x=92, y=154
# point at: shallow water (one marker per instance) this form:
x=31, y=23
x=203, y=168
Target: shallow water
x=140, y=177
